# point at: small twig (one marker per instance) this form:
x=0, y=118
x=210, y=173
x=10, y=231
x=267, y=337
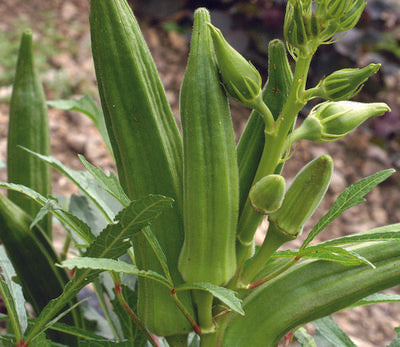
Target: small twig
x=133, y=315
x=182, y=307
x=274, y=274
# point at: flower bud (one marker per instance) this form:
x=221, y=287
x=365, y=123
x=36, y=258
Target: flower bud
x=241, y=80
x=303, y=197
x=345, y=83
x=337, y=119
x=267, y=194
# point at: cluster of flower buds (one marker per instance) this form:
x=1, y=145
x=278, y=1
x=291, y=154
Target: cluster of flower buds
x=241, y=80
x=331, y=121
x=343, y=84
x=305, y=28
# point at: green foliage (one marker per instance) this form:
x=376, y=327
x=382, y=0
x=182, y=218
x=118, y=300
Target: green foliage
x=168, y=241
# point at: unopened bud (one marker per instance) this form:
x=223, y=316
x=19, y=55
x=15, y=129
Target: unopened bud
x=337, y=119
x=345, y=83
x=303, y=197
x=267, y=194
x=239, y=77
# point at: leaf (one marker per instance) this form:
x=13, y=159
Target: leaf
x=42, y=213
x=83, y=180
x=131, y=332
x=305, y=339
x=109, y=183
x=335, y=254
x=88, y=107
x=72, y=222
x=227, y=296
x=395, y=343
x=351, y=196
x=331, y=331
x=105, y=343
x=377, y=299
x=112, y=242
x=162, y=258
x=12, y=295
x=114, y=266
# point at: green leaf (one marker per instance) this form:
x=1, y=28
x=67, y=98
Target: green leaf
x=227, y=296
x=395, y=343
x=114, y=266
x=12, y=295
x=331, y=331
x=83, y=180
x=377, y=299
x=112, y=242
x=87, y=106
x=70, y=221
x=304, y=338
x=162, y=258
x=131, y=332
x=351, y=196
x=335, y=254
x=43, y=212
x=109, y=183
x=105, y=343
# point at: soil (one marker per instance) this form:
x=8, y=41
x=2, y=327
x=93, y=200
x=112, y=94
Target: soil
x=71, y=133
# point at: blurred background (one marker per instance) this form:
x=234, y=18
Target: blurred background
x=62, y=46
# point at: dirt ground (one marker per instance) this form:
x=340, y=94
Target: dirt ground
x=71, y=133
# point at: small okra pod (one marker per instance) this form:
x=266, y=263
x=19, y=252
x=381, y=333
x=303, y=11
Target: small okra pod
x=267, y=194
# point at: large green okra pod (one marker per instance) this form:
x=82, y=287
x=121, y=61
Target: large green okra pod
x=210, y=166
x=147, y=148
x=28, y=127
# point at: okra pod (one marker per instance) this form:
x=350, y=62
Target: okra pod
x=28, y=127
x=147, y=148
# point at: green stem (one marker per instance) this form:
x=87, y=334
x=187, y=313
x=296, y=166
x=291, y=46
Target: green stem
x=177, y=340
x=67, y=243
x=274, y=148
x=133, y=316
x=203, y=302
x=272, y=242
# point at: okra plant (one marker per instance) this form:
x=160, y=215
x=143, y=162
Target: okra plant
x=168, y=243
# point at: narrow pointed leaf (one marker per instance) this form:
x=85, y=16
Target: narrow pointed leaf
x=105, y=343
x=227, y=296
x=75, y=224
x=331, y=331
x=83, y=181
x=8, y=273
x=377, y=299
x=114, y=266
x=109, y=183
x=350, y=197
x=87, y=106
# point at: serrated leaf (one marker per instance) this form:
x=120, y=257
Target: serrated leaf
x=109, y=183
x=112, y=242
x=304, y=338
x=162, y=258
x=102, y=264
x=66, y=218
x=377, y=299
x=105, y=343
x=42, y=213
x=130, y=330
x=331, y=332
x=82, y=179
x=88, y=107
x=350, y=197
x=227, y=296
x=12, y=295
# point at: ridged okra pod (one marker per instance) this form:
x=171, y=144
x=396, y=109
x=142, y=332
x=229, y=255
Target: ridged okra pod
x=34, y=261
x=147, y=148
x=210, y=166
x=28, y=127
